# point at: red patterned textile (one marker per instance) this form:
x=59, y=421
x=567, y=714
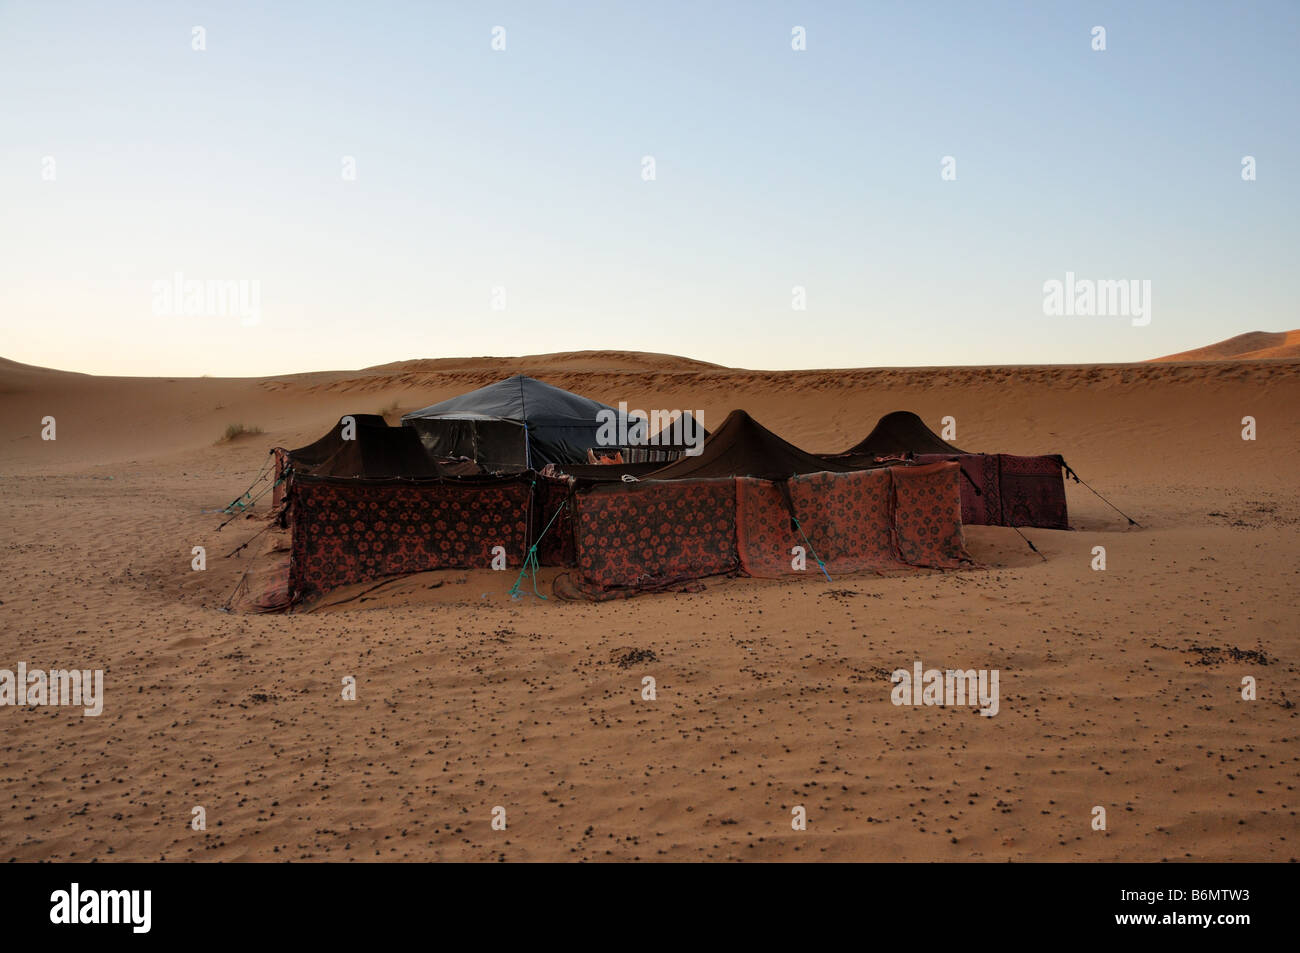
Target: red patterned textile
x=1014, y=491
x=651, y=536
x=623, y=539
x=927, y=516
x=556, y=548
x=348, y=530
x=847, y=517
x=981, y=493
x=1033, y=491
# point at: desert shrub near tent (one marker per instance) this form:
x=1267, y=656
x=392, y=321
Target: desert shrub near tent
x=234, y=431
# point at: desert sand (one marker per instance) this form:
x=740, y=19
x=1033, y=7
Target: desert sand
x=1120, y=688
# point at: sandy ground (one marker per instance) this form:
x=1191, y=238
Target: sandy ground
x=1119, y=689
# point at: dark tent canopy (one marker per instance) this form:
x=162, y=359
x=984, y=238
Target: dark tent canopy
x=376, y=451
x=901, y=432
x=997, y=489
x=744, y=447
x=673, y=433
x=515, y=424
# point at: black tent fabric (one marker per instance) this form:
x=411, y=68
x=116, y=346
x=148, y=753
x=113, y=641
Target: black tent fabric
x=900, y=432
x=744, y=447
x=375, y=451
x=673, y=432
x=320, y=450
x=515, y=424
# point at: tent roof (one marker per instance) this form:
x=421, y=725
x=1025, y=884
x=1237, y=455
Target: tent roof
x=376, y=451
x=518, y=398
x=680, y=424
x=318, y=451
x=900, y=432
x=744, y=447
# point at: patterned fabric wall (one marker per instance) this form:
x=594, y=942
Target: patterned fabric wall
x=927, y=516
x=347, y=531
x=642, y=537
x=1033, y=491
x=846, y=517
x=556, y=548
x=981, y=494
x=1014, y=491
x=655, y=536
x=623, y=538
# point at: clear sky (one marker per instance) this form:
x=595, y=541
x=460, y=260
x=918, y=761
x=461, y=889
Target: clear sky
x=522, y=169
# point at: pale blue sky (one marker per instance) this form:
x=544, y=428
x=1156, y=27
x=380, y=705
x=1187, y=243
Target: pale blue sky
x=522, y=169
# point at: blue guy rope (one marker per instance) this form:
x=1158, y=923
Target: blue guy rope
x=238, y=504
x=820, y=565
x=531, y=563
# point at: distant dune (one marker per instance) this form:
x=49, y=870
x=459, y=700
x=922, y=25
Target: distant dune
x=579, y=361
x=110, y=420
x=1251, y=346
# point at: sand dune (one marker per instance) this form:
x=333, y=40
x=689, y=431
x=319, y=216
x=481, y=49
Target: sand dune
x=1099, y=415
x=584, y=362
x=1253, y=345
x=1120, y=688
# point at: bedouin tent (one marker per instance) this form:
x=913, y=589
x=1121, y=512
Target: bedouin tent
x=755, y=504
x=900, y=432
x=363, y=446
x=741, y=446
x=1003, y=489
x=368, y=448
x=367, y=500
x=745, y=505
x=997, y=489
x=516, y=424
x=744, y=447
x=348, y=530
